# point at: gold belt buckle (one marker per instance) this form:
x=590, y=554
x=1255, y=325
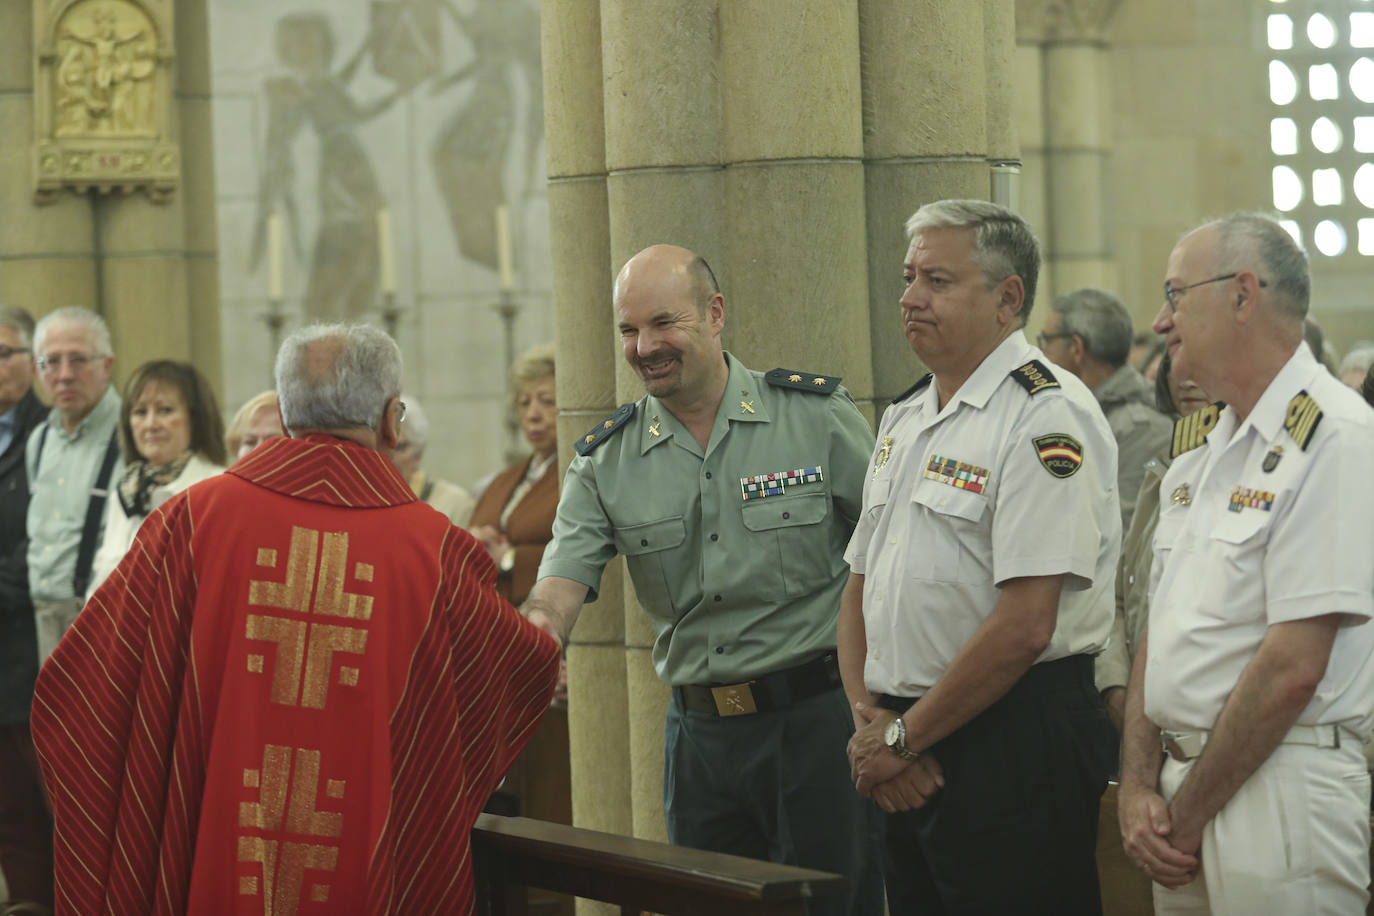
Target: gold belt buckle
x=734, y=700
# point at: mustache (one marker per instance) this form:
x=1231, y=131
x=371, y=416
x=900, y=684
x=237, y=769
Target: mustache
x=665, y=353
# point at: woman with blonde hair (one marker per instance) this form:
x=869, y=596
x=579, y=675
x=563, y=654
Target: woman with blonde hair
x=514, y=517
x=257, y=421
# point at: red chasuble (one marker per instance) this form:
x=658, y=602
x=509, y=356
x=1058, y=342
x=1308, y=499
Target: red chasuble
x=293, y=696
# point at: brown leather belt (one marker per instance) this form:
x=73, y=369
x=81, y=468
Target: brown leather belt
x=764, y=694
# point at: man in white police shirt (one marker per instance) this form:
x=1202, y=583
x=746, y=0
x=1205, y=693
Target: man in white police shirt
x=1244, y=789
x=983, y=567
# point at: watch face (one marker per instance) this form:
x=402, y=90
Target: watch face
x=893, y=733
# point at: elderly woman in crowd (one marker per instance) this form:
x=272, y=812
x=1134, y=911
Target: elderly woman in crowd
x=1177, y=398
x=172, y=436
x=257, y=421
x=448, y=498
x=514, y=521
x=514, y=517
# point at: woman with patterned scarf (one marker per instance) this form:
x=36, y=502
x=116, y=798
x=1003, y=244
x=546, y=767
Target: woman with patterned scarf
x=172, y=435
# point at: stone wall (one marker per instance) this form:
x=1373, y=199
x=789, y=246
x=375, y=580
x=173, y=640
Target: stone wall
x=329, y=111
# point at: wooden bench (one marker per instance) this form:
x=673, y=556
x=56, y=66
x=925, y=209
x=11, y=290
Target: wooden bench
x=512, y=853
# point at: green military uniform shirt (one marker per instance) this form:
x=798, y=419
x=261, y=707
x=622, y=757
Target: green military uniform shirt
x=736, y=587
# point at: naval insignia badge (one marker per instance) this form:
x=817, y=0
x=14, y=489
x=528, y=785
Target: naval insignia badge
x=1271, y=460
x=1180, y=496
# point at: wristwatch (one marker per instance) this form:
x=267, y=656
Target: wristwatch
x=507, y=560
x=895, y=736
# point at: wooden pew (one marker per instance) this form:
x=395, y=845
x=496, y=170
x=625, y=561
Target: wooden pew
x=512, y=853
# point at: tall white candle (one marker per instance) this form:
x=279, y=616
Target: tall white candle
x=503, y=259
x=384, y=251
x=274, y=257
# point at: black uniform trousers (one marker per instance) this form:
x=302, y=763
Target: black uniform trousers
x=1014, y=830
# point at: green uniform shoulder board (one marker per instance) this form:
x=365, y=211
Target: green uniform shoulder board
x=1034, y=377
x=802, y=381
x=605, y=429
x=1191, y=431
x=921, y=383
x=1302, y=419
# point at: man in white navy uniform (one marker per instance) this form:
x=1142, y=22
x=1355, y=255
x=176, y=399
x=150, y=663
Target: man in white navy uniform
x=1244, y=788
x=981, y=587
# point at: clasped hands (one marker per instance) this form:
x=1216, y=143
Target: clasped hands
x=1154, y=841
x=895, y=784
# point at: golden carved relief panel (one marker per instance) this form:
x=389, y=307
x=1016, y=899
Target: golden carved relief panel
x=103, y=89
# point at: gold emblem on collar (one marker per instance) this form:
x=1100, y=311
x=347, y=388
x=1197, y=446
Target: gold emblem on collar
x=1180, y=496
x=746, y=406
x=653, y=427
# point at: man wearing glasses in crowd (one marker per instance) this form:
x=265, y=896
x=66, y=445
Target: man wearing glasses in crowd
x=72, y=460
x=1243, y=785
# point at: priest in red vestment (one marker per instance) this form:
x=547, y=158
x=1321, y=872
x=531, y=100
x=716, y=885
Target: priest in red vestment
x=298, y=688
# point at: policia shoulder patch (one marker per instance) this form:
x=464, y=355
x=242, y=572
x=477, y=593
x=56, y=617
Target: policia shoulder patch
x=802, y=381
x=1060, y=453
x=1034, y=377
x=1302, y=419
x=1191, y=431
x=605, y=429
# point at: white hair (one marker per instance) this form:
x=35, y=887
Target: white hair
x=351, y=392
x=74, y=315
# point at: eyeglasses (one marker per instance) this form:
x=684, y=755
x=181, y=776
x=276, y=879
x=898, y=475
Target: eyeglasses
x=1042, y=338
x=76, y=361
x=1171, y=293
x=7, y=352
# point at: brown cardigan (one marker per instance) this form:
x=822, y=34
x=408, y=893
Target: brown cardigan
x=530, y=526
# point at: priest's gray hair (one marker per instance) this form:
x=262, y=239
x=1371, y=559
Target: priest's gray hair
x=337, y=376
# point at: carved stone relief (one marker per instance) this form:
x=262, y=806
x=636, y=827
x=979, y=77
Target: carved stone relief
x=1042, y=21
x=102, y=97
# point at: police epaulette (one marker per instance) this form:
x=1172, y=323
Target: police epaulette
x=605, y=429
x=1034, y=377
x=802, y=381
x=920, y=383
x=1302, y=419
x=1191, y=431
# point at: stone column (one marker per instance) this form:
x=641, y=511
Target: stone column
x=45, y=251
x=925, y=138
x=597, y=722
x=662, y=103
x=794, y=187
x=197, y=191
x=1071, y=36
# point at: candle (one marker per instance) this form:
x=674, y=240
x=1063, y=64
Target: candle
x=503, y=248
x=384, y=252
x=274, y=256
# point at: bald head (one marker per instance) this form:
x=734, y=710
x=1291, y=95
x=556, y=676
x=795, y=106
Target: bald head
x=669, y=270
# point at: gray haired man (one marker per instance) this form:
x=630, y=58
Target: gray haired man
x=1089, y=333
x=72, y=460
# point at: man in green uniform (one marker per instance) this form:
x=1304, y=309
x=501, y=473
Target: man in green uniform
x=731, y=493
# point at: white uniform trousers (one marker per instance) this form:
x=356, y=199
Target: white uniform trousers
x=1294, y=839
